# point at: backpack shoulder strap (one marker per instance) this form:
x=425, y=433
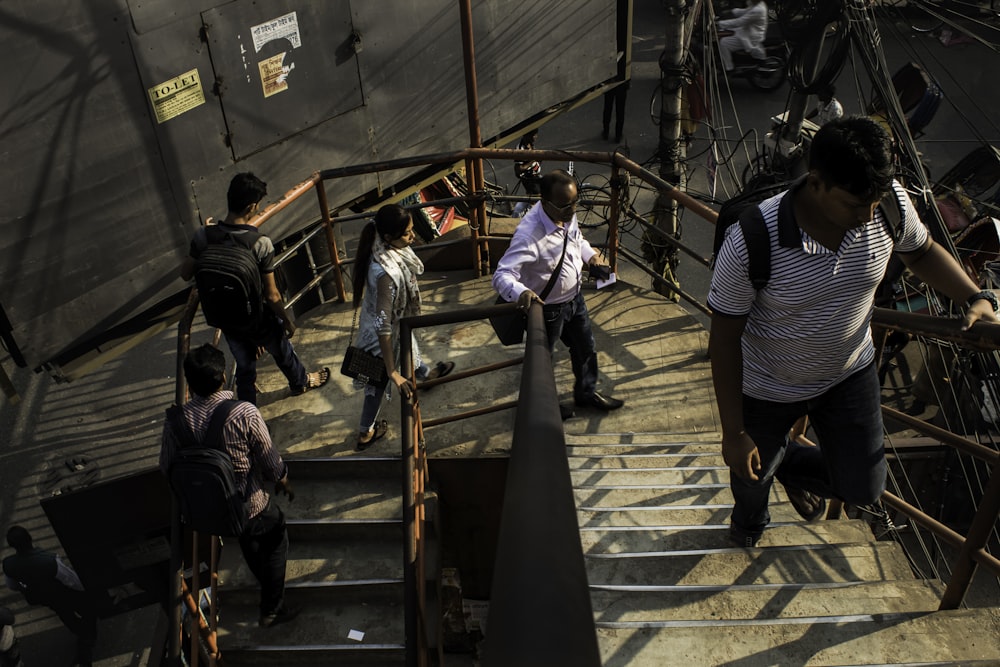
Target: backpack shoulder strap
x=213, y=436
x=216, y=234
x=892, y=214
x=758, y=246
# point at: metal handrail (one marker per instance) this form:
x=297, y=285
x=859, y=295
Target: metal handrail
x=527, y=600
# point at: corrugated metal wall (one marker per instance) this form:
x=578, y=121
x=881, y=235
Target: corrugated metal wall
x=122, y=123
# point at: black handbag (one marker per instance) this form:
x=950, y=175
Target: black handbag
x=510, y=328
x=363, y=365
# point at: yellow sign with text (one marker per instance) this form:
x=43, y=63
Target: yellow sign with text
x=172, y=98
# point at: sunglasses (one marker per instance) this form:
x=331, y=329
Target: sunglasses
x=567, y=208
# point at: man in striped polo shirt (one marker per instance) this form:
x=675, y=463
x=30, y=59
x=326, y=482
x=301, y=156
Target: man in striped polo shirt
x=245, y=437
x=802, y=344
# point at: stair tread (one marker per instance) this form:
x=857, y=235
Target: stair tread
x=318, y=624
x=875, y=561
x=345, y=498
x=663, y=538
x=778, y=601
x=947, y=636
x=323, y=561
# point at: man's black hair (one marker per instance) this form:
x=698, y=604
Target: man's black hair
x=853, y=153
x=204, y=369
x=244, y=190
x=19, y=538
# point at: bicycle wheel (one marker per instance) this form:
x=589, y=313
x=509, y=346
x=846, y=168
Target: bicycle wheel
x=594, y=208
x=924, y=17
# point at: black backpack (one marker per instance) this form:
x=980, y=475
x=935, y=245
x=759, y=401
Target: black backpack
x=203, y=478
x=743, y=209
x=228, y=278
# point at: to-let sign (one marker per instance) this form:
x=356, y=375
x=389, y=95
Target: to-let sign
x=174, y=97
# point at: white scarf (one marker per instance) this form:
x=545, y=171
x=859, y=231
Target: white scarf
x=403, y=266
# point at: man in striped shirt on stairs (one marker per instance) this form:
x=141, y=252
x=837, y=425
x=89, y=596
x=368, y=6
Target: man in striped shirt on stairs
x=802, y=345
x=245, y=438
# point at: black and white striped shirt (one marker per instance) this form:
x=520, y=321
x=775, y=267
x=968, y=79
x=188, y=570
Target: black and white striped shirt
x=809, y=327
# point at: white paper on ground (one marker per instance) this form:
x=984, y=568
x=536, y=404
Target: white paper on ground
x=356, y=635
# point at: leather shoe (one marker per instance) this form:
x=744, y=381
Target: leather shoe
x=565, y=411
x=282, y=615
x=600, y=401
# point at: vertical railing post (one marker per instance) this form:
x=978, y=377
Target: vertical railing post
x=476, y=180
x=331, y=238
x=614, y=215
x=975, y=540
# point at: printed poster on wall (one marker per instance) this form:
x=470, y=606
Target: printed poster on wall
x=274, y=69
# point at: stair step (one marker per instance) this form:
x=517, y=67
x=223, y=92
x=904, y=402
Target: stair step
x=767, y=601
x=688, y=515
x=707, y=438
x=319, y=634
x=947, y=637
x=354, y=466
x=679, y=449
x=350, y=529
x=640, y=460
x=322, y=561
x=688, y=475
x=345, y=498
x=633, y=539
x=875, y=561
x=661, y=495
x=341, y=655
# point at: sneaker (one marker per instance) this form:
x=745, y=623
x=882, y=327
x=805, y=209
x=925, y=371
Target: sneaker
x=282, y=615
x=742, y=539
x=877, y=515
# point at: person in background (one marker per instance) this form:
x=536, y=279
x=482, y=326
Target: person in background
x=385, y=287
x=43, y=578
x=749, y=27
x=828, y=108
x=528, y=172
x=10, y=649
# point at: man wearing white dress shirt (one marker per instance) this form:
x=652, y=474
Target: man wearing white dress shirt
x=529, y=262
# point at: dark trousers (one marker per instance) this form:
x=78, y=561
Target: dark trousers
x=76, y=611
x=274, y=340
x=615, y=99
x=570, y=323
x=849, y=463
x=264, y=543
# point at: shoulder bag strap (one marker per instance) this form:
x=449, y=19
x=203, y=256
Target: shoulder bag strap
x=555, y=274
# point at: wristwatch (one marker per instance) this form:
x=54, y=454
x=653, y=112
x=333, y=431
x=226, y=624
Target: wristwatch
x=987, y=295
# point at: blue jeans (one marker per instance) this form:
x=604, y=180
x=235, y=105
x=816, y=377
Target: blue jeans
x=849, y=463
x=570, y=323
x=373, y=402
x=276, y=343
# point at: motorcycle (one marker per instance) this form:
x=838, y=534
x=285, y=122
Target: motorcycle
x=767, y=73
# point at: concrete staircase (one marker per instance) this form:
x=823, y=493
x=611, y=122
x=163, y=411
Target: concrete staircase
x=345, y=571
x=667, y=586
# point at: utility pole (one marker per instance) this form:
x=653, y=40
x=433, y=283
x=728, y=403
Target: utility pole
x=671, y=149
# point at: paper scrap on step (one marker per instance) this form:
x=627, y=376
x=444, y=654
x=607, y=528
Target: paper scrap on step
x=356, y=635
